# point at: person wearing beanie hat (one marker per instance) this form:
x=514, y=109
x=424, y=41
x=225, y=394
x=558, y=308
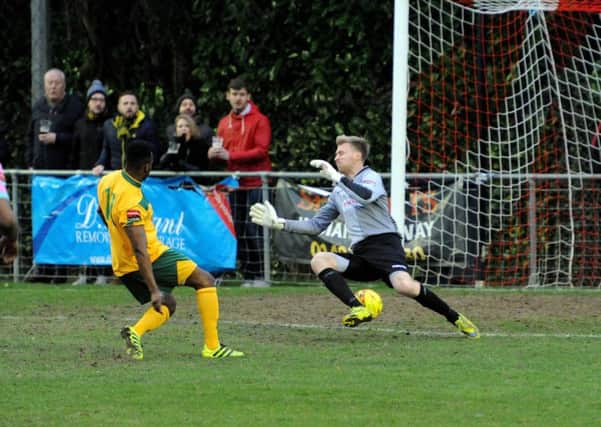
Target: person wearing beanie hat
x=186, y=104
x=189, y=107
x=95, y=87
x=87, y=145
x=87, y=135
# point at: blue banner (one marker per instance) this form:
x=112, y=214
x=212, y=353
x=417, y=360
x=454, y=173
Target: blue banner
x=67, y=229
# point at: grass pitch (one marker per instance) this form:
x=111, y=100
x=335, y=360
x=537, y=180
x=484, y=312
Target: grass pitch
x=537, y=364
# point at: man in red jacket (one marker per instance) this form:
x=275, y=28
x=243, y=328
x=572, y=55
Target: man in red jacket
x=246, y=134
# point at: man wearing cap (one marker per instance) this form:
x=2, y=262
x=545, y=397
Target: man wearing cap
x=87, y=145
x=87, y=136
x=186, y=104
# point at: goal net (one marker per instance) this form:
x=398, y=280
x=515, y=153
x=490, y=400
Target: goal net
x=503, y=129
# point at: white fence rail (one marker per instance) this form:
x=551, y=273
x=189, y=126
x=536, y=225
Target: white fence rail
x=518, y=249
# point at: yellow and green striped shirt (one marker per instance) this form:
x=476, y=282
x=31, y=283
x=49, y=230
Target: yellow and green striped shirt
x=123, y=205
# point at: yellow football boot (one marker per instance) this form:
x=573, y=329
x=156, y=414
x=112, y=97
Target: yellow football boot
x=467, y=328
x=133, y=343
x=220, y=352
x=358, y=315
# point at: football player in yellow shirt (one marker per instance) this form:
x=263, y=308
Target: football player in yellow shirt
x=148, y=268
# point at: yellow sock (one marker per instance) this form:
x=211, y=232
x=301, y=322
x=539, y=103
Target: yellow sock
x=151, y=320
x=208, y=308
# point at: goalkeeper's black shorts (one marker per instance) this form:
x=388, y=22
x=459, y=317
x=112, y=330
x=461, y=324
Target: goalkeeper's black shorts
x=375, y=258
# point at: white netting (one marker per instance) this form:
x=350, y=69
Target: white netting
x=508, y=91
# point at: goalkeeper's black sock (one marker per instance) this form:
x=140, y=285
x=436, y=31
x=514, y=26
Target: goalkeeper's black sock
x=337, y=285
x=432, y=301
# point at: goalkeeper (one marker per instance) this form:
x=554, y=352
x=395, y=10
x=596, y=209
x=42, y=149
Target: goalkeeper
x=377, y=251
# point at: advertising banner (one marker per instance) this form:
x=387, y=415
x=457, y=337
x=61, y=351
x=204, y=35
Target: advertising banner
x=68, y=230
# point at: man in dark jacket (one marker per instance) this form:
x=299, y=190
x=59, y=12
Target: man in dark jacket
x=87, y=136
x=50, y=143
x=128, y=125
x=87, y=145
x=49, y=148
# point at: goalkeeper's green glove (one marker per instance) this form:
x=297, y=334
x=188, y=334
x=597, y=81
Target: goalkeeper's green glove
x=264, y=214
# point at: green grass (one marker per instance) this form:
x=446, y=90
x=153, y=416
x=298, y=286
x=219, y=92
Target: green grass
x=62, y=362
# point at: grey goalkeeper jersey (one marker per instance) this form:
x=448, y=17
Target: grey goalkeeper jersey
x=363, y=217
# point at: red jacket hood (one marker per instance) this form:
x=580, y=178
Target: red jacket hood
x=247, y=137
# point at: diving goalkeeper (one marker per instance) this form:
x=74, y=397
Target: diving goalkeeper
x=377, y=250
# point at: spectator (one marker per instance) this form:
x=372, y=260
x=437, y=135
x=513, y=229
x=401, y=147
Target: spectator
x=50, y=142
x=187, y=149
x=50, y=148
x=194, y=154
x=187, y=105
x=246, y=134
x=129, y=124
x=88, y=132
x=87, y=145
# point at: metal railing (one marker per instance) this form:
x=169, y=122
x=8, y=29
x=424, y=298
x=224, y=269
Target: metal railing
x=19, y=186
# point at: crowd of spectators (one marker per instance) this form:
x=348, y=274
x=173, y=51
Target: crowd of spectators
x=66, y=134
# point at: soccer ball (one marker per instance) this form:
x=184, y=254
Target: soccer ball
x=371, y=300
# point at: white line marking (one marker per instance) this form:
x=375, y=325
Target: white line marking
x=363, y=328
x=410, y=332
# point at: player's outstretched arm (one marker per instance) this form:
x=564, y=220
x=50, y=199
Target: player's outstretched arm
x=264, y=214
x=363, y=194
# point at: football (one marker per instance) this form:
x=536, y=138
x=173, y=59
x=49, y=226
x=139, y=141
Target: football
x=372, y=300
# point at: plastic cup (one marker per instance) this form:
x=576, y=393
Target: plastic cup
x=45, y=125
x=173, y=147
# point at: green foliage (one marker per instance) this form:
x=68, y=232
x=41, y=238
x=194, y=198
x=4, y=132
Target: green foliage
x=15, y=71
x=315, y=69
x=316, y=73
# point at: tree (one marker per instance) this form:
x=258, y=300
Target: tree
x=316, y=70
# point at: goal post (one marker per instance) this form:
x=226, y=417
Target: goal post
x=504, y=107
x=399, y=108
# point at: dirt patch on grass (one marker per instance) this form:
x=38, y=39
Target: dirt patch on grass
x=489, y=310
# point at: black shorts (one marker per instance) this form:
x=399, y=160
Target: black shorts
x=376, y=257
